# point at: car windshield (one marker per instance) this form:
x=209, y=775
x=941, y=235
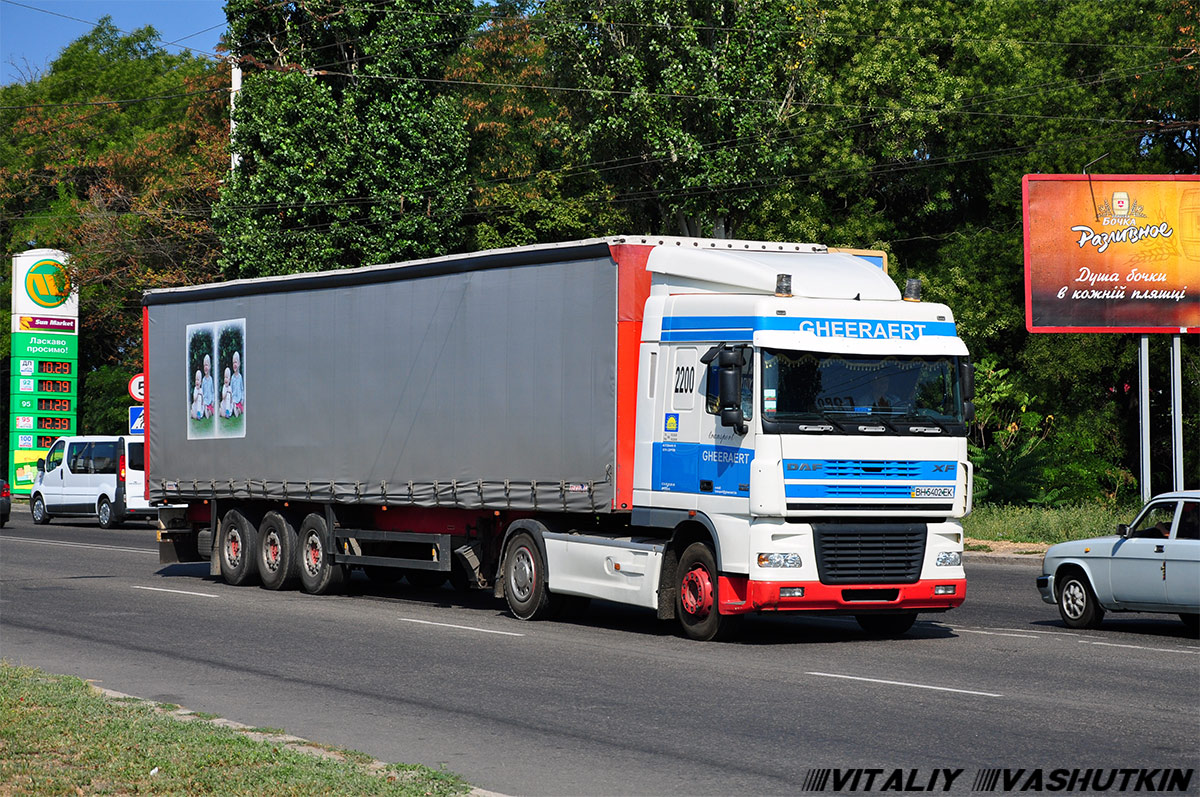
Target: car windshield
x=818, y=391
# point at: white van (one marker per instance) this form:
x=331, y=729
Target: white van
x=100, y=476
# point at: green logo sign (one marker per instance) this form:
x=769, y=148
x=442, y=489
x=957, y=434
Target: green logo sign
x=47, y=283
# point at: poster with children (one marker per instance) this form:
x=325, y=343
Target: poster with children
x=216, y=373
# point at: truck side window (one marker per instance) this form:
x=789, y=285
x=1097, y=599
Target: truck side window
x=711, y=387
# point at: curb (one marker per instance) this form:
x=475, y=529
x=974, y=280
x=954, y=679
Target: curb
x=294, y=743
x=1032, y=559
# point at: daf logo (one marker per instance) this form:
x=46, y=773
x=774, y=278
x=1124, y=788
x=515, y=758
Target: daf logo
x=804, y=466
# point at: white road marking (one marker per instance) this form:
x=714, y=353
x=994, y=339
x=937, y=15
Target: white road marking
x=461, y=627
x=993, y=633
x=903, y=683
x=1193, y=651
x=179, y=592
x=80, y=545
x=1032, y=631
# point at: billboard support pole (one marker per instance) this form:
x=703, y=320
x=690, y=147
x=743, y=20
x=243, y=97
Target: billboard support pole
x=1144, y=414
x=1176, y=414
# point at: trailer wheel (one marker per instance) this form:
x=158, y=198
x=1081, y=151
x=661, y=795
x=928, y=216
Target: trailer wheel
x=237, y=540
x=697, y=599
x=525, y=587
x=277, y=543
x=886, y=626
x=318, y=573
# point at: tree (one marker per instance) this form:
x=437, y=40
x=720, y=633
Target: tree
x=348, y=155
x=115, y=157
x=524, y=157
x=686, y=103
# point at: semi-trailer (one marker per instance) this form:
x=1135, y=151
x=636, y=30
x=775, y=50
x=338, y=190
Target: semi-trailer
x=705, y=428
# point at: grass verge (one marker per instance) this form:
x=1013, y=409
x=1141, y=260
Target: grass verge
x=1042, y=525
x=60, y=736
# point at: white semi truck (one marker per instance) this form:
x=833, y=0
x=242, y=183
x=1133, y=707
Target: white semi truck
x=705, y=428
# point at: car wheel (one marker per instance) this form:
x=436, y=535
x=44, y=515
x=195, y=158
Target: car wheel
x=1192, y=621
x=37, y=508
x=105, y=513
x=1077, y=602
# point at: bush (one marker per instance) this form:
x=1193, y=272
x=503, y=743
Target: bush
x=1042, y=524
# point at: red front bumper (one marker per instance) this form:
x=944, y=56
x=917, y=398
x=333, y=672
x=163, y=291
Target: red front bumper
x=740, y=595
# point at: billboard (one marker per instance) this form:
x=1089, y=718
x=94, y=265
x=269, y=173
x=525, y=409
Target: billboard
x=1112, y=253
x=44, y=381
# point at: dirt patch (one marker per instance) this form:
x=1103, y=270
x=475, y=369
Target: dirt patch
x=1030, y=549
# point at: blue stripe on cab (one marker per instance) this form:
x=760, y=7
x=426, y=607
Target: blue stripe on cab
x=694, y=328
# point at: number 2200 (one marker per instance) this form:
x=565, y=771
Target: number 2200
x=685, y=379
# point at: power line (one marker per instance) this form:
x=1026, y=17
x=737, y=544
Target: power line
x=543, y=18
x=112, y=102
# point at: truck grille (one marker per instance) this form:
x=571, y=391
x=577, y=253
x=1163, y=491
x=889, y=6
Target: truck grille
x=869, y=553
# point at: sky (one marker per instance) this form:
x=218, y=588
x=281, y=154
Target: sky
x=34, y=32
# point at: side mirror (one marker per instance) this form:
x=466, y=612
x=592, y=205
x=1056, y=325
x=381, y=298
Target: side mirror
x=1123, y=529
x=966, y=378
x=729, y=389
x=968, y=411
x=41, y=466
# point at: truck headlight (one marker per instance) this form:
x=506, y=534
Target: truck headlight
x=949, y=559
x=779, y=560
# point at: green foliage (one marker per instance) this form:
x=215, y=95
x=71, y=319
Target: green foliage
x=381, y=131
x=1040, y=524
x=524, y=158
x=104, y=400
x=347, y=157
x=61, y=737
x=123, y=188
x=686, y=103
x=1008, y=446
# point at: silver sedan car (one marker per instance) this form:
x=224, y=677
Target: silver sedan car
x=1152, y=565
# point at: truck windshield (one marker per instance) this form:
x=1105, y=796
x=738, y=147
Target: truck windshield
x=819, y=392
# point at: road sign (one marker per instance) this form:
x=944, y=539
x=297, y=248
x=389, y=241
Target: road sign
x=137, y=388
x=137, y=420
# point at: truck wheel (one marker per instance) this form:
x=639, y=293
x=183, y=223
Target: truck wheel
x=886, y=626
x=525, y=587
x=37, y=508
x=1077, y=603
x=105, y=514
x=237, y=548
x=696, y=597
x=277, y=560
x=318, y=573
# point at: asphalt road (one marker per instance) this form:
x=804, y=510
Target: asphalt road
x=613, y=702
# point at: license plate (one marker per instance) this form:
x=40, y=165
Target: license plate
x=933, y=492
